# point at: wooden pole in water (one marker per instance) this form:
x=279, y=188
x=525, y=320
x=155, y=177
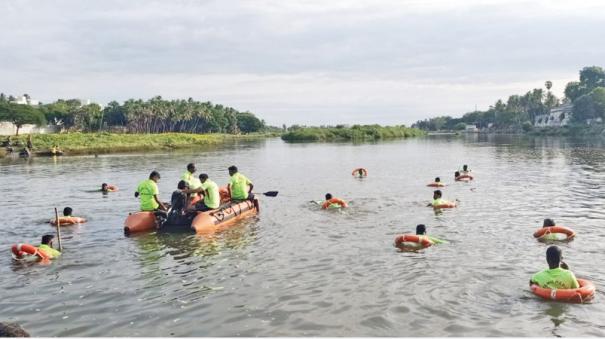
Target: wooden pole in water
x=58, y=222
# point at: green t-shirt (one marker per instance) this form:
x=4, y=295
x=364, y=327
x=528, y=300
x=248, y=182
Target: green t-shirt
x=239, y=186
x=191, y=180
x=213, y=198
x=435, y=240
x=440, y=201
x=147, y=189
x=556, y=278
x=53, y=253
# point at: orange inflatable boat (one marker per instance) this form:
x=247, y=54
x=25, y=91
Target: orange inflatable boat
x=216, y=220
x=573, y=295
x=204, y=222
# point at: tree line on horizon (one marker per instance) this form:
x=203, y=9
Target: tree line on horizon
x=523, y=111
x=155, y=115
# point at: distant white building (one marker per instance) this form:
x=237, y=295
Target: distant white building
x=558, y=116
x=23, y=100
x=471, y=129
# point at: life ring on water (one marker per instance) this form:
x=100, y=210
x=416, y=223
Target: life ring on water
x=363, y=171
x=412, y=242
x=555, y=230
x=446, y=205
x=21, y=250
x=464, y=177
x=334, y=201
x=574, y=295
x=68, y=221
x=112, y=188
x=436, y=184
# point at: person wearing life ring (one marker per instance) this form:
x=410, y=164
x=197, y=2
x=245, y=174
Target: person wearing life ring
x=465, y=170
x=462, y=177
x=439, y=202
x=45, y=251
x=68, y=218
x=360, y=172
x=557, y=275
x=436, y=183
x=551, y=232
x=418, y=241
x=108, y=188
x=332, y=202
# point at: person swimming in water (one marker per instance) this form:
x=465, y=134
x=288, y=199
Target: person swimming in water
x=421, y=231
x=557, y=275
x=332, y=202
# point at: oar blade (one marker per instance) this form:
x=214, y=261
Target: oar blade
x=271, y=193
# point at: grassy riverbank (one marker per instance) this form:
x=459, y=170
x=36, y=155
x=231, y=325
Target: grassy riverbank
x=96, y=143
x=354, y=133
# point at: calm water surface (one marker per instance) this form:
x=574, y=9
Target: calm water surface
x=298, y=271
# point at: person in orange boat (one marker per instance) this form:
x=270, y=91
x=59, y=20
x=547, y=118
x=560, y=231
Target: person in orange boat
x=557, y=275
x=149, y=193
x=240, y=187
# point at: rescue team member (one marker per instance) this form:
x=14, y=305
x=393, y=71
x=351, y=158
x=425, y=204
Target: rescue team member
x=557, y=275
x=332, y=202
x=437, y=200
x=149, y=193
x=67, y=211
x=46, y=246
x=421, y=231
x=465, y=170
x=240, y=187
x=189, y=178
x=212, y=197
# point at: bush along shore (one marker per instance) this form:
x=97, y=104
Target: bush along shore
x=353, y=133
x=98, y=143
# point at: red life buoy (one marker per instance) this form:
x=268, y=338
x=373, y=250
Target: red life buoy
x=410, y=239
x=436, y=184
x=363, y=171
x=555, y=229
x=446, y=205
x=68, y=221
x=21, y=250
x=464, y=177
x=336, y=201
x=574, y=295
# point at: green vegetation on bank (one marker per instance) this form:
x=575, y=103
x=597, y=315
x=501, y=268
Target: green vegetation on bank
x=522, y=113
x=93, y=143
x=155, y=115
x=353, y=133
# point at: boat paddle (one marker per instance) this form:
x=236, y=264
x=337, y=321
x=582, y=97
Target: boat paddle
x=269, y=194
x=58, y=229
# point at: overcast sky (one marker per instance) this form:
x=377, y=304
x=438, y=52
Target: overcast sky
x=308, y=62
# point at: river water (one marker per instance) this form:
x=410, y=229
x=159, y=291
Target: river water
x=298, y=271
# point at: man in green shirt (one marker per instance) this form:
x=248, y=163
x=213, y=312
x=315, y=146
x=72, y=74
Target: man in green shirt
x=421, y=231
x=558, y=275
x=189, y=178
x=437, y=200
x=240, y=187
x=149, y=193
x=212, y=197
x=46, y=246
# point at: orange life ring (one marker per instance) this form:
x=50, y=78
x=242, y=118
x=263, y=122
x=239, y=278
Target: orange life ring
x=336, y=201
x=436, y=184
x=21, y=250
x=464, y=177
x=112, y=188
x=68, y=221
x=422, y=242
x=555, y=229
x=356, y=172
x=574, y=295
x=447, y=205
